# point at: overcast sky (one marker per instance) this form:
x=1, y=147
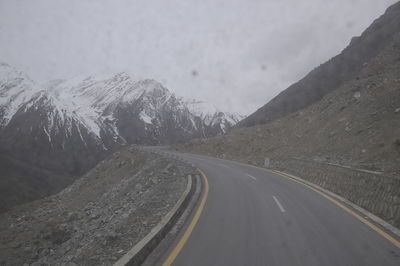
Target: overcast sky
x=236, y=54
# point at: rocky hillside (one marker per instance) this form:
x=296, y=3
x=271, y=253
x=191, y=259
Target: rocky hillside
x=348, y=142
x=99, y=218
x=332, y=74
x=356, y=125
x=65, y=127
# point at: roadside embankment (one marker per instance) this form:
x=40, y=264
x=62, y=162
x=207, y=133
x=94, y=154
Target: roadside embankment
x=97, y=219
x=374, y=192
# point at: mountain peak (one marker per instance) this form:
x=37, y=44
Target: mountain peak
x=201, y=108
x=121, y=77
x=95, y=102
x=10, y=73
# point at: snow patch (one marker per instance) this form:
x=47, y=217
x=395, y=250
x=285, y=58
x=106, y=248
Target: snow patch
x=47, y=133
x=145, y=118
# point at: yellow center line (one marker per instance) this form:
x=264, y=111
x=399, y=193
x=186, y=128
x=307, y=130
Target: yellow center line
x=191, y=226
x=340, y=205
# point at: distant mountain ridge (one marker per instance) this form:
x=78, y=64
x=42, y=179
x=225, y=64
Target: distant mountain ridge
x=332, y=74
x=68, y=126
x=94, y=102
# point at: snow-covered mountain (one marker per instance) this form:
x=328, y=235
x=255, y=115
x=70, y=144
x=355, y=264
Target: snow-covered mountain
x=72, y=124
x=16, y=88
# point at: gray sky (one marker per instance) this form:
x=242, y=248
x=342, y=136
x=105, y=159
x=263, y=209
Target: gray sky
x=236, y=54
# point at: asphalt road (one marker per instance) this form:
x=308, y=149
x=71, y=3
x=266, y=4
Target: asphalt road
x=252, y=217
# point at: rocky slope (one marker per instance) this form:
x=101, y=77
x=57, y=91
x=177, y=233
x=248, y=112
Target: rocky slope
x=332, y=74
x=357, y=125
x=347, y=142
x=98, y=218
x=65, y=127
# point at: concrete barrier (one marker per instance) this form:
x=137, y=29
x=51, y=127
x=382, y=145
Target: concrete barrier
x=138, y=254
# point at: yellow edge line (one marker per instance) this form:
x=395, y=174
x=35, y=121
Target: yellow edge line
x=340, y=205
x=193, y=223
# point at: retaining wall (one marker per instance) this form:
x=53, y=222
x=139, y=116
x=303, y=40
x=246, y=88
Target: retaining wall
x=378, y=194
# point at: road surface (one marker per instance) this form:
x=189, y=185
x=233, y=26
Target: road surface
x=253, y=217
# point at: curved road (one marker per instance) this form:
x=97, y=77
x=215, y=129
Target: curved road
x=253, y=217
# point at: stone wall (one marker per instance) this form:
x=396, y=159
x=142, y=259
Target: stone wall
x=378, y=194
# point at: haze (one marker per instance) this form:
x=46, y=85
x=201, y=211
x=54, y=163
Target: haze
x=235, y=54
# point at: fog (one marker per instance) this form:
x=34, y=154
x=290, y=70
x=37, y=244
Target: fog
x=236, y=54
